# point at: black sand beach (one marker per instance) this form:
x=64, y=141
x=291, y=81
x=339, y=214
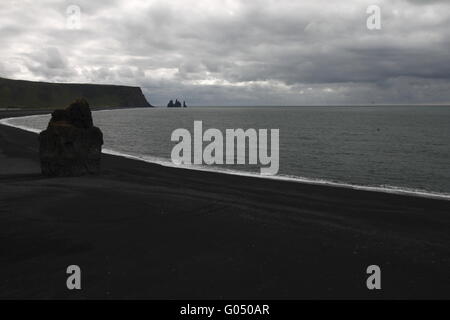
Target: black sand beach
x=145, y=231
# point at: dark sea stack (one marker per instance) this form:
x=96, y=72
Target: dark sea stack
x=176, y=104
x=71, y=145
x=80, y=114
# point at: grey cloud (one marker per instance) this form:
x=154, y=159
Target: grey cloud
x=54, y=60
x=238, y=52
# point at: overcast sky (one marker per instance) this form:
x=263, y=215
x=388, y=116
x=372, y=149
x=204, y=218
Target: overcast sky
x=232, y=52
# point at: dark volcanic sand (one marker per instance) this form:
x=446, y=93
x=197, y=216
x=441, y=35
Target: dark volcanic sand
x=145, y=231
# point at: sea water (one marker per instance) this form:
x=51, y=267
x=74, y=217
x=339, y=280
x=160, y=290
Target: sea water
x=404, y=149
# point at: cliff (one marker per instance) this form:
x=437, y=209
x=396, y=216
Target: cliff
x=31, y=94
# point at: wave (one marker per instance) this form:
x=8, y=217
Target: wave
x=6, y=122
x=292, y=178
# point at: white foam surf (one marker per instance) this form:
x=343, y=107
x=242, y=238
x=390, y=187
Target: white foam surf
x=7, y=122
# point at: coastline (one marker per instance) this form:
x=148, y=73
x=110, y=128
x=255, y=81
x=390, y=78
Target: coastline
x=290, y=178
x=142, y=230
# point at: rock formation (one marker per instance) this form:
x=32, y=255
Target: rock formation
x=177, y=104
x=71, y=145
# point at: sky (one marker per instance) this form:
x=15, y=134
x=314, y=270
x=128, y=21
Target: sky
x=232, y=52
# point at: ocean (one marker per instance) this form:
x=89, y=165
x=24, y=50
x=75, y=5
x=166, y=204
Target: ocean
x=399, y=149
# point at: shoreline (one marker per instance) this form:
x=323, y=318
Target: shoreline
x=404, y=191
x=145, y=231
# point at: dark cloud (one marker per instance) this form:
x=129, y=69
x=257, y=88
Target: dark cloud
x=233, y=52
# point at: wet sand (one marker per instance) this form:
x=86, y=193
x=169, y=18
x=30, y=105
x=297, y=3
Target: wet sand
x=145, y=231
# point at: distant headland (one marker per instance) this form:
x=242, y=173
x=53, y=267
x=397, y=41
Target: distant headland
x=42, y=95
